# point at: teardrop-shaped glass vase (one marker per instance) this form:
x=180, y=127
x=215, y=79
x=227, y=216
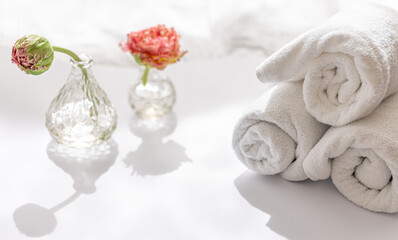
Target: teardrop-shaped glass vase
x=81, y=115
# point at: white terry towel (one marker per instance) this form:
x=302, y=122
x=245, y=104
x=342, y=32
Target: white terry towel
x=347, y=63
x=276, y=133
x=362, y=158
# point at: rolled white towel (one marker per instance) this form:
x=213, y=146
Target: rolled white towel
x=347, y=63
x=362, y=158
x=276, y=133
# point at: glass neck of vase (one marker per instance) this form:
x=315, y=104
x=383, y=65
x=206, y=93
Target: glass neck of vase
x=81, y=68
x=154, y=74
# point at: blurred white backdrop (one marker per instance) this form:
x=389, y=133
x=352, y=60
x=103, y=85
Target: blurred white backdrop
x=209, y=28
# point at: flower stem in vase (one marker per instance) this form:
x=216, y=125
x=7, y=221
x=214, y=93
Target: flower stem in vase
x=72, y=55
x=94, y=110
x=145, y=75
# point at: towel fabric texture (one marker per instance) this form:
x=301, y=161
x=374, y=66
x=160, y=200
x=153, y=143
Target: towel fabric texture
x=362, y=158
x=344, y=74
x=348, y=64
x=276, y=133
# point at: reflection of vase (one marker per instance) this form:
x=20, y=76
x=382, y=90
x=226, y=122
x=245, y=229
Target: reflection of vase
x=155, y=155
x=81, y=114
x=84, y=165
x=156, y=98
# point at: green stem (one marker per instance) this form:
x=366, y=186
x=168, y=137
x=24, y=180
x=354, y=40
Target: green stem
x=74, y=56
x=145, y=75
x=69, y=52
x=84, y=71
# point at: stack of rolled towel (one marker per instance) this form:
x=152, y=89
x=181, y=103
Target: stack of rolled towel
x=334, y=111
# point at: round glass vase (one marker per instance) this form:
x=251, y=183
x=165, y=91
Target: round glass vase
x=81, y=115
x=156, y=98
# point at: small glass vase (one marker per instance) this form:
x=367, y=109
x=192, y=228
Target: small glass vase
x=81, y=114
x=156, y=98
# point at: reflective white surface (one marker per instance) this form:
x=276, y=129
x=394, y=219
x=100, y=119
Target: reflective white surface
x=177, y=179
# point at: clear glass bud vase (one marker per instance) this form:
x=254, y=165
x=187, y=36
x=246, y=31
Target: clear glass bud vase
x=156, y=98
x=81, y=114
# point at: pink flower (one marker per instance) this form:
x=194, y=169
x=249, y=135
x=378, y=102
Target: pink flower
x=154, y=47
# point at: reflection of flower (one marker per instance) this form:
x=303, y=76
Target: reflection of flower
x=33, y=54
x=154, y=47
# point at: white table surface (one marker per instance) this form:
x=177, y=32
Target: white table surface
x=186, y=184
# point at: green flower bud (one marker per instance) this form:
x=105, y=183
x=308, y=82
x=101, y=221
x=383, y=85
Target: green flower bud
x=33, y=54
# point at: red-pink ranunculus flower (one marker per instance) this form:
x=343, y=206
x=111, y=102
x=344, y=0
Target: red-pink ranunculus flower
x=154, y=47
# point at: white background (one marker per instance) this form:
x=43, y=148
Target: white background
x=209, y=28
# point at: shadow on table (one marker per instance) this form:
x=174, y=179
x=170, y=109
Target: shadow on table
x=85, y=166
x=155, y=156
x=313, y=210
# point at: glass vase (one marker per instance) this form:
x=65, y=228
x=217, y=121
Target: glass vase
x=81, y=115
x=156, y=98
